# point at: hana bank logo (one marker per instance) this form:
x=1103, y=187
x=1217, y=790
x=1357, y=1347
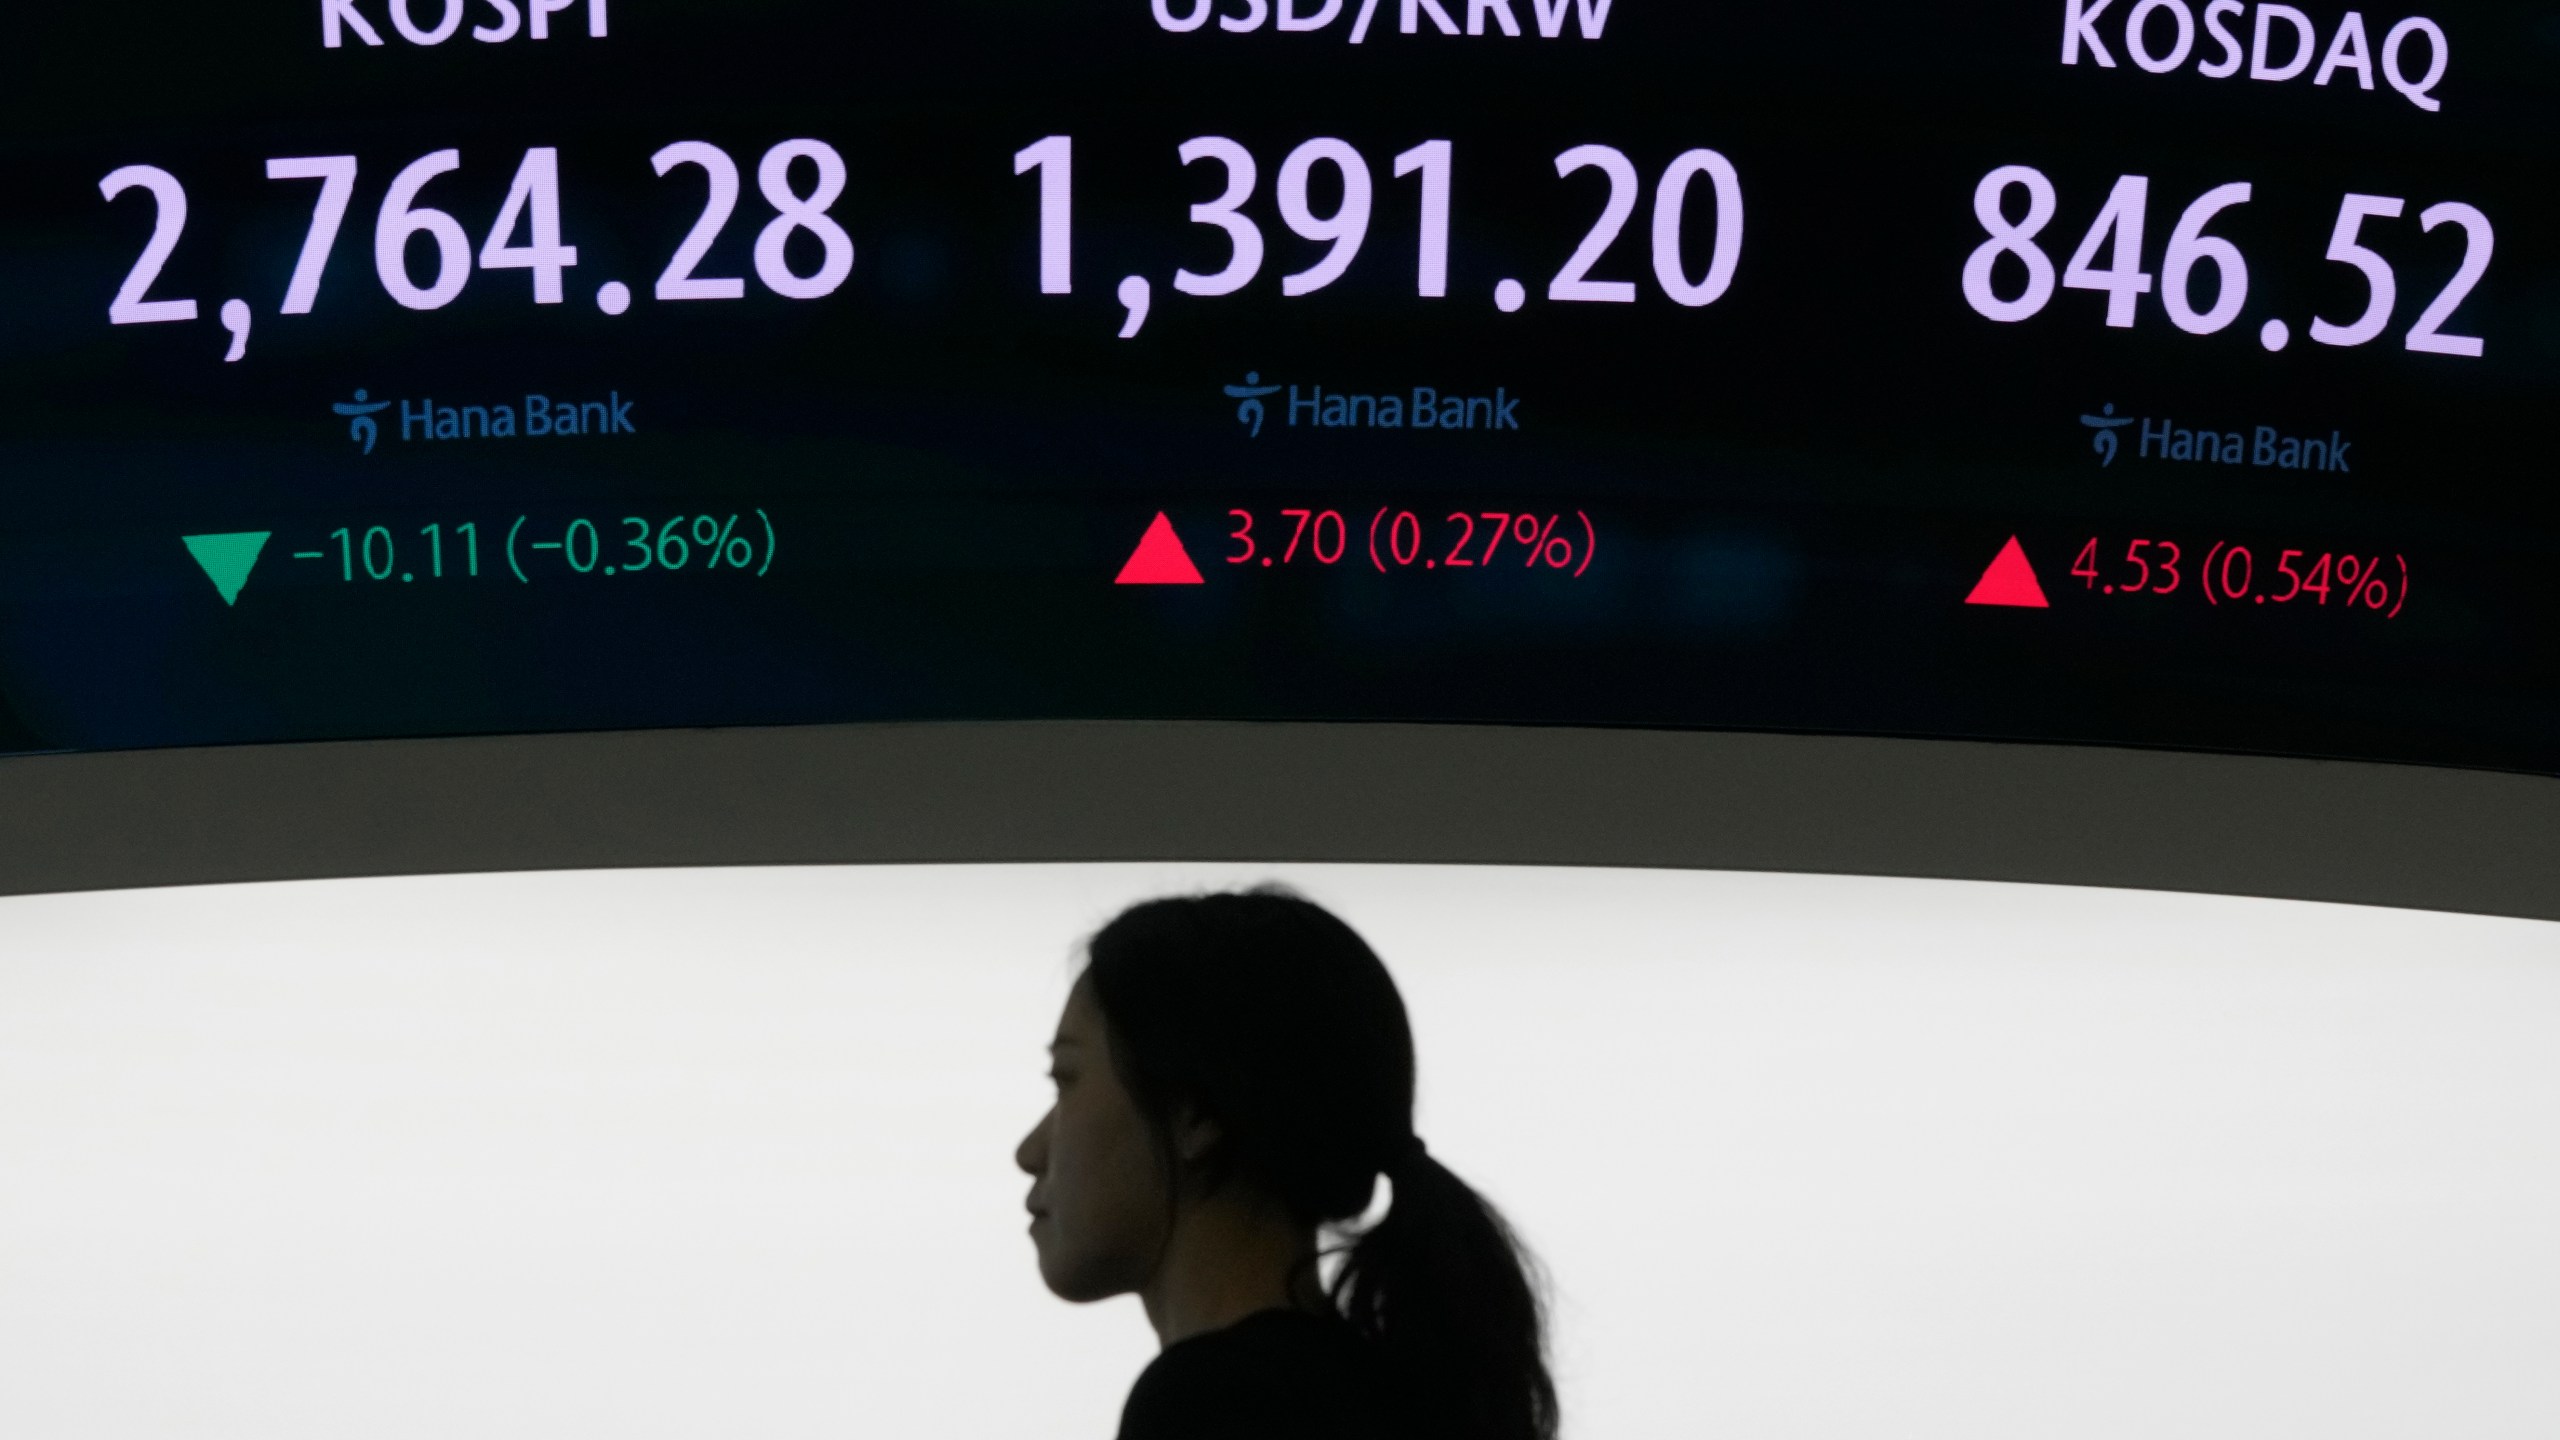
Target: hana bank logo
x=2263, y=447
x=361, y=427
x=1423, y=408
x=2106, y=422
x=539, y=416
x=1252, y=392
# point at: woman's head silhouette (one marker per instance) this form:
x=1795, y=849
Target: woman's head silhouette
x=1235, y=1072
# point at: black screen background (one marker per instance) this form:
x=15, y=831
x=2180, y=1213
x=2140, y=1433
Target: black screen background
x=1794, y=487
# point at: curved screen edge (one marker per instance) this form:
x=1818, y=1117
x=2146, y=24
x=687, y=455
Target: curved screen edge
x=2312, y=830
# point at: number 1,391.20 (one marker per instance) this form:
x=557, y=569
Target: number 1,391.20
x=1433, y=165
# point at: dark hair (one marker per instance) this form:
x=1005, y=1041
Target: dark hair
x=1278, y=1022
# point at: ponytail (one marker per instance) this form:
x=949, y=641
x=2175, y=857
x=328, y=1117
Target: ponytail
x=1274, y=1017
x=1447, y=1296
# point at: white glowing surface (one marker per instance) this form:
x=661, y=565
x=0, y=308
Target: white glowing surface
x=728, y=1153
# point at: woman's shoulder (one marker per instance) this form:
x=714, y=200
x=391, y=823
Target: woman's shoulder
x=1278, y=1375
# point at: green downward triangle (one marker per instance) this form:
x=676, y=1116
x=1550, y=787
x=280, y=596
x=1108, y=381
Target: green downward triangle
x=228, y=559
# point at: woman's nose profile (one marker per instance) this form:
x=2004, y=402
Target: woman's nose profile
x=1032, y=1155
x=1233, y=1076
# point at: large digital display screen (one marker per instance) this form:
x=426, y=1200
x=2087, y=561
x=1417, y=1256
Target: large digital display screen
x=2144, y=372
x=669, y=1154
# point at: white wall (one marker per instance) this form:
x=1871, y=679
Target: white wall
x=727, y=1154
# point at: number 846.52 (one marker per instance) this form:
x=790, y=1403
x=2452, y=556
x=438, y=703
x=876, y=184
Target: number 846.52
x=2117, y=236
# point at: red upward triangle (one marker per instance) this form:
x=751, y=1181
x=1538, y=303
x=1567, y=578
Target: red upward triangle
x=1160, y=559
x=2009, y=581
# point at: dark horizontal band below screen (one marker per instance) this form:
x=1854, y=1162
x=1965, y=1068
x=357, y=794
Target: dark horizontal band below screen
x=1105, y=791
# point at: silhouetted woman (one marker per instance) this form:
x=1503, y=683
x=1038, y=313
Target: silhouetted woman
x=1233, y=1073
